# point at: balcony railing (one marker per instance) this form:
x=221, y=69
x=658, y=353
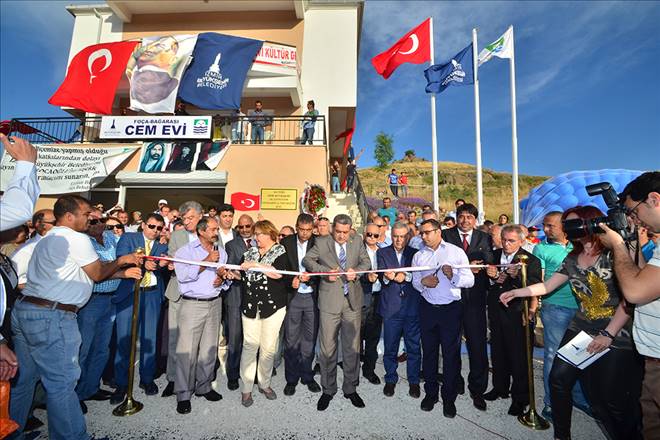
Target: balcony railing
x=277, y=130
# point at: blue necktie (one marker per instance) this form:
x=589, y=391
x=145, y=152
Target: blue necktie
x=342, y=263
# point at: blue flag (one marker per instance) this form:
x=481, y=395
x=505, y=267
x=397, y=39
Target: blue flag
x=216, y=76
x=457, y=72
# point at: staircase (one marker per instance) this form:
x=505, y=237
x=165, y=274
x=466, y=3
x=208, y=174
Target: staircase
x=342, y=203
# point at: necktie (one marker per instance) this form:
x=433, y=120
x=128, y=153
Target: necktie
x=146, y=279
x=248, y=243
x=466, y=245
x=342, y=263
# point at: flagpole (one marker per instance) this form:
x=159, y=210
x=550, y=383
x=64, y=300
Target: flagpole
x=514, y=131
x=477, y=126
x=434, y=140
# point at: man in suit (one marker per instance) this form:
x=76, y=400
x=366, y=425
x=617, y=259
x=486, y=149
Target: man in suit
x=478, y=248
x=399, y=307
x=191, y=213
x=226, y=219
x=232, y=301
x=371, y=286
x=340, y=307
x=302, y=318
x=507, y=333
x=151, y=297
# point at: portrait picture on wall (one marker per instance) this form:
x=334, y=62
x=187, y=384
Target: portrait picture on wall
x=182, y=157
x=154, y=156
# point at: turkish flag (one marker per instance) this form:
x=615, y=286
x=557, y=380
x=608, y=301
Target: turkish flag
x=93, y=77
x=245, y=202
x=414, y=47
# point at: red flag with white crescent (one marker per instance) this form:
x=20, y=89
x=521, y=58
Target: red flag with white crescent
x=93, y=77
x=245, y=202
x=414, y=47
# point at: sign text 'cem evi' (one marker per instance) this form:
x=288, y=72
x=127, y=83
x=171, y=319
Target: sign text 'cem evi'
x=156, y=127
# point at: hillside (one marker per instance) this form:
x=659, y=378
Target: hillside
x=457, y=180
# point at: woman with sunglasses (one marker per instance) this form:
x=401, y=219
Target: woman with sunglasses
x=612, y=384
x=113, y=224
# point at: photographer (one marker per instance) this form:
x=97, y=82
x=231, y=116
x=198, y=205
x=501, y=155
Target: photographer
x=612, y=384
x=641, y=198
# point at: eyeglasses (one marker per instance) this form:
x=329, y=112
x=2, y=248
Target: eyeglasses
x=156, y=227
x=96, y=221
x=243, y=226
x=423, y=233
x=111, y=227
x=371, y=235
x=175, y=219
x=633, y=211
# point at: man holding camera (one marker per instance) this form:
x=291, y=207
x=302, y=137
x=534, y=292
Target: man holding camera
x=641, y=198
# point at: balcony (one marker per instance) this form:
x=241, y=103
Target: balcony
x=281, y=130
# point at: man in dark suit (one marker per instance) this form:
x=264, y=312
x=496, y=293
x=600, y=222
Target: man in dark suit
x=151, y=297
x=507, y=333
x=478, y=248
x=371, y=320
x=340, y=307
x=225, y=218
x=232, y=301
x=302, y=317
x=399, y=307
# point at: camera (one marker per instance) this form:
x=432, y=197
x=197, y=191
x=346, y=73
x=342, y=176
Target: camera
x=615, y=219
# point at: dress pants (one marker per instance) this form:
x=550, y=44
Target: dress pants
x=300, y=329
x=233, y=327
x=507, y=350
x=407, y=326
x=330, y=325
x=172, y=337
x=370, y=330
x=474, y=330
x=440, y=327
x=262, y=335
x=149, y=311
x=196, y=347
x=612, y=385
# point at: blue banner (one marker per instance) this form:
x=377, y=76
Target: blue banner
x=458, y=72
x=214, y=80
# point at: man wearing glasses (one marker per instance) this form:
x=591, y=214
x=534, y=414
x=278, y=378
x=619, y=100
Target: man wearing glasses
x=152, y=287
x=43, y=221
x=371, y=321
x=440, y=312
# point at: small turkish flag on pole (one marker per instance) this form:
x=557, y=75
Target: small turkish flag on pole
x=414, y=47
x=244, y=201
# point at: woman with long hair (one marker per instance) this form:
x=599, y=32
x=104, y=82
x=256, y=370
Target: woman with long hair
x=612, y=384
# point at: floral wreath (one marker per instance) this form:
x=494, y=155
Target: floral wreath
x=314, y=200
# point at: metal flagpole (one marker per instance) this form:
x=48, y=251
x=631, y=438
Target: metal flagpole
x=514, y=131
x=477, y=126
x=434, y=153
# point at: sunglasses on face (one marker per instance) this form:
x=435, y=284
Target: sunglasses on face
x=111, y=227
x=156, y=227
x=244, y=226
x=175, y=219
x=372, y=235
x=96, y=221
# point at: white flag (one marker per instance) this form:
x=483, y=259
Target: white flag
x=502, y=47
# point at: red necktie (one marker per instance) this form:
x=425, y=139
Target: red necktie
x=466, y=245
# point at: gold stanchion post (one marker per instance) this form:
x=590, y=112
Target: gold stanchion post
x=131, y=406
x=531, y=418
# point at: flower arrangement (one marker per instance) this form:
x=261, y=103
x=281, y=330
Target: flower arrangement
x=314, y=200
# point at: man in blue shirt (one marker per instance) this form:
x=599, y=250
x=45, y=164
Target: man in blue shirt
x=393, y=181
x=388, y=210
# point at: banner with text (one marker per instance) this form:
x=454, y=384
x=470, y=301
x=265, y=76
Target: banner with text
x=62, y=170
x=277, y=55
x=156, y=127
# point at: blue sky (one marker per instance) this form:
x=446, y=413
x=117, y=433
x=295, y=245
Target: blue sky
x=588, y=80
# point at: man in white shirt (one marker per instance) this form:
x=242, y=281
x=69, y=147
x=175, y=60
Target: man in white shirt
x=46, y=336
x=43, y=221
x=226, y=220
x=440, y=313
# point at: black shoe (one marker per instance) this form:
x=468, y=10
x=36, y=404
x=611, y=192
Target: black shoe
x=290, y=389
x=118, y=396
x=100, y=396
x=355, y=399
x=372, y=378
x=428, y=403
x=414, y=391
x=449, y=409
x=388, y=389
x=493, y=395
x=313, y=387
x=479, y=402
x=169, y=390
x=516, y=408
x=32, y=423
x=323, y=402
x=232, y=385
x=211, y=396
x=183, y=407
x=83, y=407
x=317, y=369
x=150, y=389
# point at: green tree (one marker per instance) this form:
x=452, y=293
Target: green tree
x=384, y=151
x=409, y=154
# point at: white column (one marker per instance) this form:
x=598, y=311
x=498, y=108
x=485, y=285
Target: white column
x=514, y=132
x=477, y=127
x=434, y=139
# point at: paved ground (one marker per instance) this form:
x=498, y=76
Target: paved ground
x=296, y=417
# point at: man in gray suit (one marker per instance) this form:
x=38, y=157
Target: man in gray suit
x=191, y=213
x=340, y=307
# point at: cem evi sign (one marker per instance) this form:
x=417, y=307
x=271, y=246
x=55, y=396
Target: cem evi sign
x=156, y=127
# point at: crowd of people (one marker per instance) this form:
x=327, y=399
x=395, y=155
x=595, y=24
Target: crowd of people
x=209, y=280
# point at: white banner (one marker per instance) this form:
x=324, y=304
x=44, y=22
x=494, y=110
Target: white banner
x=156, y=127
x=277, y=55
x=62, y=170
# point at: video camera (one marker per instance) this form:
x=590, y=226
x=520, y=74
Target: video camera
x=616, y=216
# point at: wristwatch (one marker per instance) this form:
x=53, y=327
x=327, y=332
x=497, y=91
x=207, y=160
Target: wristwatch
x=604, y=332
